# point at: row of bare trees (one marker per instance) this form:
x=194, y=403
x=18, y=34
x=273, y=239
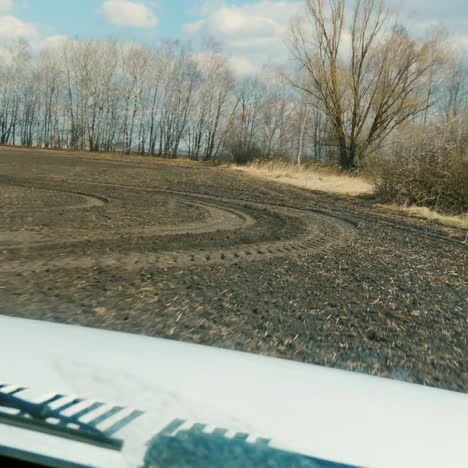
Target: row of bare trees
x=357, y=77
x=108, y=96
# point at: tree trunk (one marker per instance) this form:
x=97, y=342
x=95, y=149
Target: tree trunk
x=347, y=156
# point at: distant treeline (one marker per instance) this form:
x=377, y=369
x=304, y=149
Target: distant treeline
x=355, y=80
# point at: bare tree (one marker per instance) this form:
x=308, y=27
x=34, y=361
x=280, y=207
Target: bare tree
x=211, y=100
x=454, y=89
x=369, y=88
x=246, y=121
x=356, y=82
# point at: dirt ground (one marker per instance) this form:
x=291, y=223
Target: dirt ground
x=205, y=254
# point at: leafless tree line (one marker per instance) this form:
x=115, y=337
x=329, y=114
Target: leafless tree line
x=109, y=96
x=357, y=77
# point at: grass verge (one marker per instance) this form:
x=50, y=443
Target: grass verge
x=422, y=212
x=312, y=178
x=325, y=179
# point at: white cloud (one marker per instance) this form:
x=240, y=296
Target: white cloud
x=192, y=28
x=266, y=42
x=254, y=32
x=463, y=41
x=204, y=57
x=129, y=13
x=242, y=65
x=13, y=28
x=250, y=34
x=267, y=17
x=6, y=6
x=239, y=64
x=53, y=42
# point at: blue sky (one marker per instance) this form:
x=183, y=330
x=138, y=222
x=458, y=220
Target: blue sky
x=85, y=18
x=250, y=31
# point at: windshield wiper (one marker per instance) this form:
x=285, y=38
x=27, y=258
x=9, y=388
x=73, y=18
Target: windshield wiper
x=35, y=416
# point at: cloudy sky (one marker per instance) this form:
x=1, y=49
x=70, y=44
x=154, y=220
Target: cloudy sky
x=250, y=31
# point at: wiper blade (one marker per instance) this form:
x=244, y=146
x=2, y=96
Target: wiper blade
x=34, y=416
x=41, y=411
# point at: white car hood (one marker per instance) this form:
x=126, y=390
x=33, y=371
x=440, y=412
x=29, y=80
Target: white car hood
x=330, y=414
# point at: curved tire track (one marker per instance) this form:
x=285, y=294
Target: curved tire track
x=323, y=232
x=90, y=200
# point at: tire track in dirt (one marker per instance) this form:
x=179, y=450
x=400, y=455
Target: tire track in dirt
x=218, y=218
x=322, y=233
x=89, y=199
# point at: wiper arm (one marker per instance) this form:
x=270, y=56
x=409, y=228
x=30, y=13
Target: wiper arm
x=39, y=413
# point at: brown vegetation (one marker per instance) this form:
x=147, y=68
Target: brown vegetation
x=429, y=169
x=310, y=177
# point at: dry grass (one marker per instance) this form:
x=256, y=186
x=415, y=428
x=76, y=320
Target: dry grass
x=460, y=222
x=312, y=178
x=326, y=180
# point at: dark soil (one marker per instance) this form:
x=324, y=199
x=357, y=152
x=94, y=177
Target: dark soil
x=198, y=253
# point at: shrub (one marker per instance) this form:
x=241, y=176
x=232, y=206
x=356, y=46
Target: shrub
x=244, y=154
x=428, y=168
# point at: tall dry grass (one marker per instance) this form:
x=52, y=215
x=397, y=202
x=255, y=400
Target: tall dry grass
x=313, y=177
x=422, y=212
x=330, y=179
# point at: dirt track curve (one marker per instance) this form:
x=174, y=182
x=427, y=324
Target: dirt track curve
x=200, y=253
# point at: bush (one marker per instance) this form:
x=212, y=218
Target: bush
x=427, y=169
x=244, y=154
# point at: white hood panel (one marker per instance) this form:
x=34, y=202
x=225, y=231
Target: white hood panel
x=330, y=414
